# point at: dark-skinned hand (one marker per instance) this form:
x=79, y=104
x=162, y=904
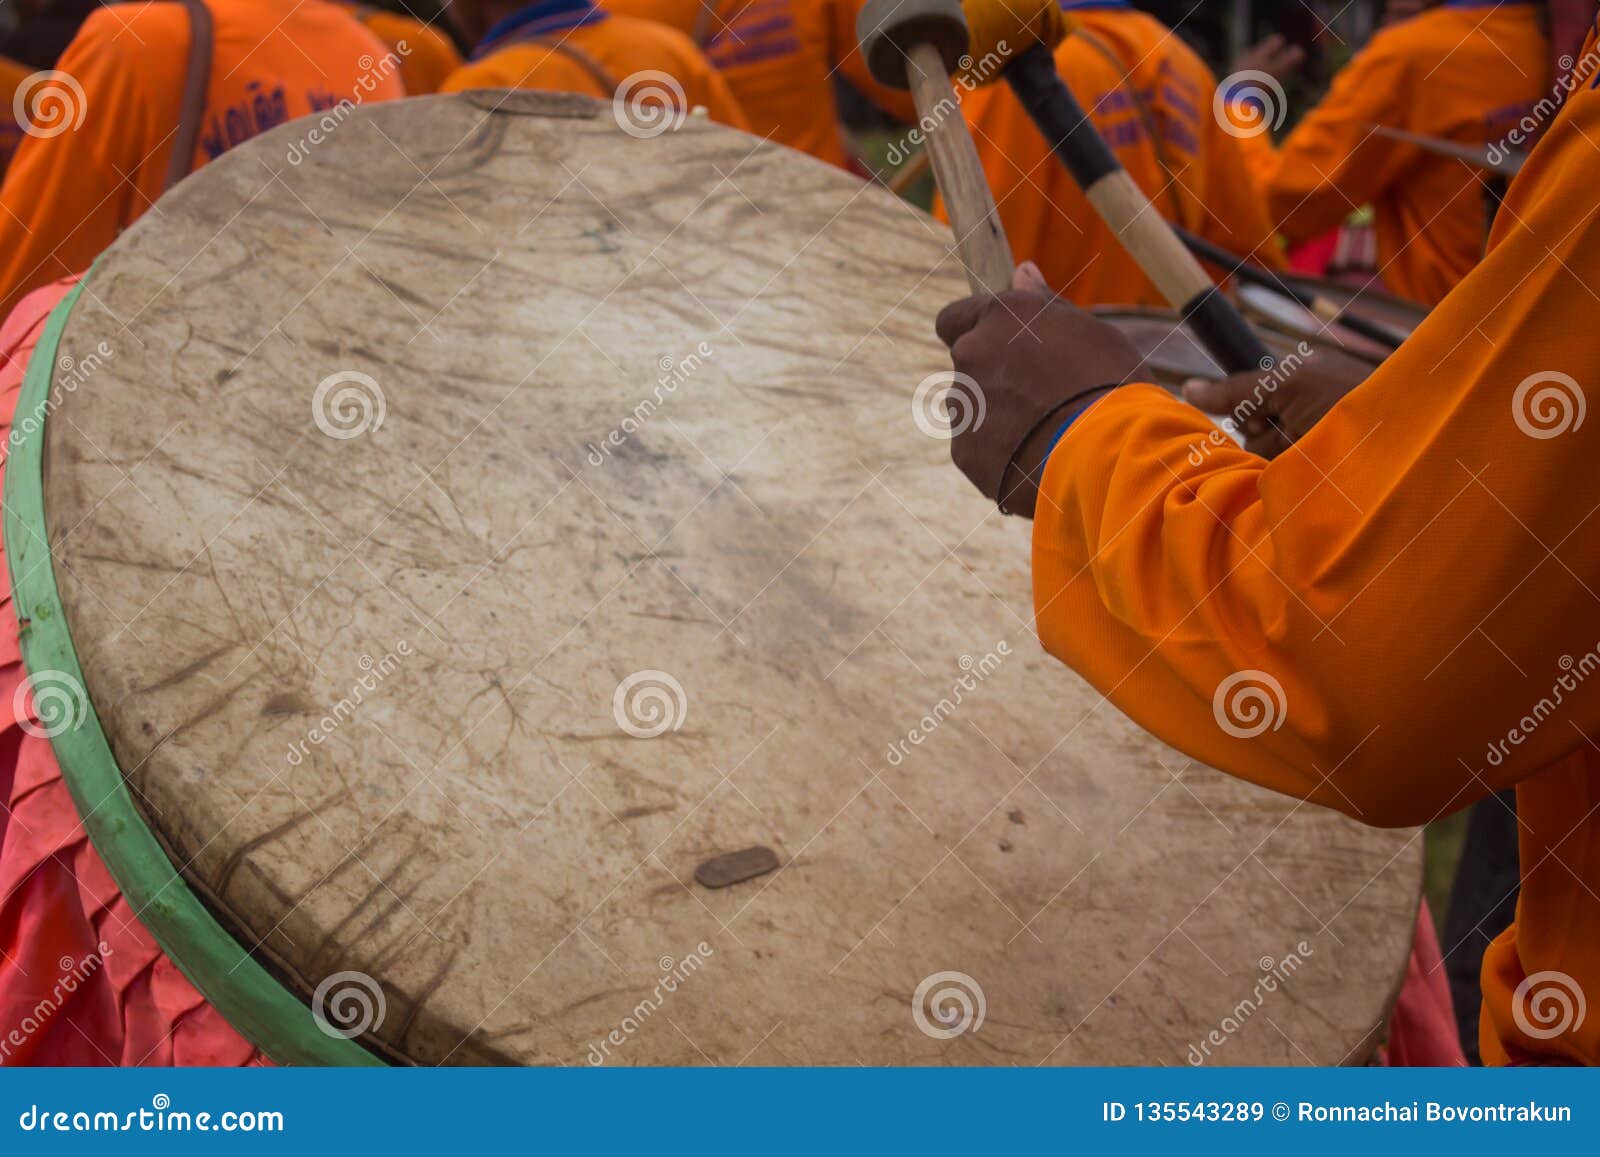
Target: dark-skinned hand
x=1028, y=351
x=1274, y=410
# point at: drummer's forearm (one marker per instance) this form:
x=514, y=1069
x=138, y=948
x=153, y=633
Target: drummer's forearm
x=1350, y=590
x=1154, y=578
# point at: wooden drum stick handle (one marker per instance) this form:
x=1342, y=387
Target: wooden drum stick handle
x=980, y=239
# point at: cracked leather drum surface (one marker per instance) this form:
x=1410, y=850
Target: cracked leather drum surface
x=486, y=517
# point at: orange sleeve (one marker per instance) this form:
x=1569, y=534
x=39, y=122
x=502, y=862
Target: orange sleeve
x=66, y=197
x=1333, y=162
x=1404, y=587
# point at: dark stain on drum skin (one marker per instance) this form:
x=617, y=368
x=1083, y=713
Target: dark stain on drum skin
x=429, y=987
x=183, y=673
x=639, y=812
x=400, y=291
x=231, y=864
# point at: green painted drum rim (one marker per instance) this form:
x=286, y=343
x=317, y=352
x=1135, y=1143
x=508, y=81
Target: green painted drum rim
x=252, y=1000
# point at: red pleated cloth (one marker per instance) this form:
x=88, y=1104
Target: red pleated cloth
x=1422, y=1028
x=81, y=980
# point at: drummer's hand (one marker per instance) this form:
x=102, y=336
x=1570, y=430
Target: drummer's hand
x=1272, y=416
x=1027, y=350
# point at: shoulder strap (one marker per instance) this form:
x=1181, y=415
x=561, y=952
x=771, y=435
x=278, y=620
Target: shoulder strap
x=196, y=80
x=703, y=18
x=577, y=55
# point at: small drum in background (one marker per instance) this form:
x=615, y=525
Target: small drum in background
x=1273, y=313
x=1171, y=352
x=525, y=614
x=1398, y=314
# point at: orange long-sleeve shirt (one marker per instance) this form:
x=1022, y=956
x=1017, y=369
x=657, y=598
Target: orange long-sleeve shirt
x=1410, y=589
x=67, y=196
x=621, y=46
x=1464, y=72
x=427, y=56
x=1049, y=221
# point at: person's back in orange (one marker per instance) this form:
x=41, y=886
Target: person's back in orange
x=776, y=56
x=1203, y=160
x=1046, y=217
x=1157, y=118
x=1466, y=72
x=574, y=46
x=101, y=160
x=427, y=56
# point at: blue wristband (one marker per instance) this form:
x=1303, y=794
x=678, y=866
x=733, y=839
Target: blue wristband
x=1067, y=425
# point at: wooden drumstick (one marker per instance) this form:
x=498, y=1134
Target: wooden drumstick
x=1144, y=233
x=914, y=44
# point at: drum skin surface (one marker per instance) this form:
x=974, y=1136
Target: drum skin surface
x=490, y=517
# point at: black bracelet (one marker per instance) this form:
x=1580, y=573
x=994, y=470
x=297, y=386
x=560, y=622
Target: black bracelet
x=1034, y=429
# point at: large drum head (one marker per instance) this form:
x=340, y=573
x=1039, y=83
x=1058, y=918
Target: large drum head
x=484, y=526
